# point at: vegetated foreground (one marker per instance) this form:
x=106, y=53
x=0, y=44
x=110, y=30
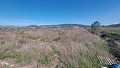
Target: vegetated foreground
x=51, y=48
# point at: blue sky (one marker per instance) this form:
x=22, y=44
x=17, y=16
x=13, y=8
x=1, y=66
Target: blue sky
x=40, y=12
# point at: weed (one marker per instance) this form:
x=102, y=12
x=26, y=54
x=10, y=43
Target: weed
x=21, y=58
x=2, y=42
x=46, y=59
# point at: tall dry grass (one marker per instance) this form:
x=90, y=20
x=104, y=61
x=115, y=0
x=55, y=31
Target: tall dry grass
x=73, y=48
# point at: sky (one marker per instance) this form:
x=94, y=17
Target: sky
x=46, y=12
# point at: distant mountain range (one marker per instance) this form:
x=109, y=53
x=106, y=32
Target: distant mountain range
x=114, y=25
x=8, y=26
x=46, y=26
x=56, y=26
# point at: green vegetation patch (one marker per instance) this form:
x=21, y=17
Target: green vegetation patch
x=114, y=31
x=21, y=58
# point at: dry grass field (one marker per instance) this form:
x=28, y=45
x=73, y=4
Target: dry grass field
x=111, y=29
x=51, y=48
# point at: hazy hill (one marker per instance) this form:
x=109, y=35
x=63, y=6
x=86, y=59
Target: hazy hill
x=57, y=26
x=114, y=25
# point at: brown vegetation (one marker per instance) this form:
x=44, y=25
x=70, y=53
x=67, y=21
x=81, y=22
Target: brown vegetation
x=59, y=47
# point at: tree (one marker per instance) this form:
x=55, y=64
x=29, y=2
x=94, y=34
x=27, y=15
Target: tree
x=95, y=27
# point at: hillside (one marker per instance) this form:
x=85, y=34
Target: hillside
x=50, y=48
x=114, y=25
x=57, y=26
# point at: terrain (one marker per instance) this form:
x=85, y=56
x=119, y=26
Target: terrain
x=112, y=36
x=56, y=48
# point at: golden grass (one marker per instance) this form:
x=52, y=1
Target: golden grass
x=74, y=48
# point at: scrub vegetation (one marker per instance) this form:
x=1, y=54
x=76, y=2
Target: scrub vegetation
x=52, y=48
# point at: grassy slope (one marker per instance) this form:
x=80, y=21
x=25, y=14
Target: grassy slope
x=113, y=40
x=73, y=48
